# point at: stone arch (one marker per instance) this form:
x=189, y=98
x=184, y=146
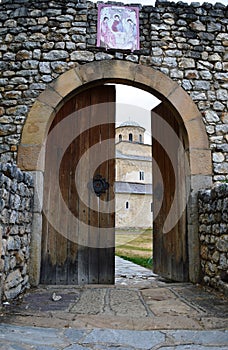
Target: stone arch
x=49, y=102
x=31, y=151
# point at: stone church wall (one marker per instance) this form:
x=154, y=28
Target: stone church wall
x=137, y=215
x=16, y=200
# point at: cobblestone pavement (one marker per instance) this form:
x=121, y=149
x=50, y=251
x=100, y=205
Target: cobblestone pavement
x=140, y=311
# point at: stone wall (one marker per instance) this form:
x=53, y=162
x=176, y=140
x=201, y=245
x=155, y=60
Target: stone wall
x=16, y=198
x=213, y=233
x=42, y=39
x=137, y=216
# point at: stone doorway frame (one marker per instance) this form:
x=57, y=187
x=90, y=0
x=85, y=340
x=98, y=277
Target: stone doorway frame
x=43, y=111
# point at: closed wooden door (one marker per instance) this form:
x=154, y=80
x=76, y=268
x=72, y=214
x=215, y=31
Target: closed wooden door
x=78, y=225
x=170, y=174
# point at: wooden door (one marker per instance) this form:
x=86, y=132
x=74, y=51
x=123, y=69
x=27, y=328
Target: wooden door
x=78, y=226
x=169, y=195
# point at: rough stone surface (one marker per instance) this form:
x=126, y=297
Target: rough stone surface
x=188, y=43
x=23, y=338
x=176, y=316
x=138, y=294
x=16, y=202
x=213, y=235
x=40, y=40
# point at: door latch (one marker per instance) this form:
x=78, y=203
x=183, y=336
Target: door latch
x=100, y=185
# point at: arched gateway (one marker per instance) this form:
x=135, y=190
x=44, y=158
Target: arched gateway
x=177, y=250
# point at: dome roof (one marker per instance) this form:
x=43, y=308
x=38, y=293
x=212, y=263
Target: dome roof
x=130, y=123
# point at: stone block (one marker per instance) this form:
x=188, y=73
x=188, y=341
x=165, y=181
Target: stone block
x=90, y=71
x=197, y=133
x=85, y=56
x=224, y=117
x=50, y=97
x=13, y=279
x=38, y=191
x=193, y=253
x=138, y=339
x=200, y=182
x=100, y=56
x=218, y=157
x=38, y=123
x=13, y=243
x=55, y=55
x=154, y=79
x=200, y=162
x=181, y=101
x=221, y=168
x=201, y=339
x=118, y=69
x=31, y=157
x=13, y=217
x=35, y=254
x=12, y=293
x=66, y=83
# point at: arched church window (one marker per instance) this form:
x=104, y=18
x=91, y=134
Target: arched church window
x=130, y=137
x=141, y=175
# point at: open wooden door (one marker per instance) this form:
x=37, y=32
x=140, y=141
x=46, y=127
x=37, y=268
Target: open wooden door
x=169, y=195
x=78, y=224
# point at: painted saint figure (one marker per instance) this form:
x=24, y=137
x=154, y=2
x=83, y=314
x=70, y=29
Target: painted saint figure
x=107, y=36
x=131, y=35
x=117, y=25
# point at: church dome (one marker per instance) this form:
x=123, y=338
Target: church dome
x=130, y=131
x=129, y=123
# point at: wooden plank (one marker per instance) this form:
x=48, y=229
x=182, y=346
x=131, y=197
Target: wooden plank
x=52, y=156
x=93, y=239
x=83, y=109
x=107, y=219
x=72, y=248
x=56, y=267
x=61, y=241
x=96, y=139
x=182, y=224
x=158, y=192
x=64, y=261
x=169, y=249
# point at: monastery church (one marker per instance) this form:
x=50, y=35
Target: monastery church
x=133, y=186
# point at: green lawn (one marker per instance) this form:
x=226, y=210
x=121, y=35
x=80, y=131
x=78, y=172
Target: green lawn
x=135, y=246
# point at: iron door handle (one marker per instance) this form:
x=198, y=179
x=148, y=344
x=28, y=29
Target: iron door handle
x=100, y=185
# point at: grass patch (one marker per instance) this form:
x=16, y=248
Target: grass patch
x=135, y=246
x=145, y=262
x=132, y=247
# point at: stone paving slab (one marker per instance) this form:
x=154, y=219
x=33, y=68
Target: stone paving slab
x=91, y=301
x=127, y=302
x=133, y=303
x=201, y=338
x=102, y=306
x=204, y=299
x=30, y=335
x=138, y=312
x=105, y=321
x=136, y=339
x=23, y=338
